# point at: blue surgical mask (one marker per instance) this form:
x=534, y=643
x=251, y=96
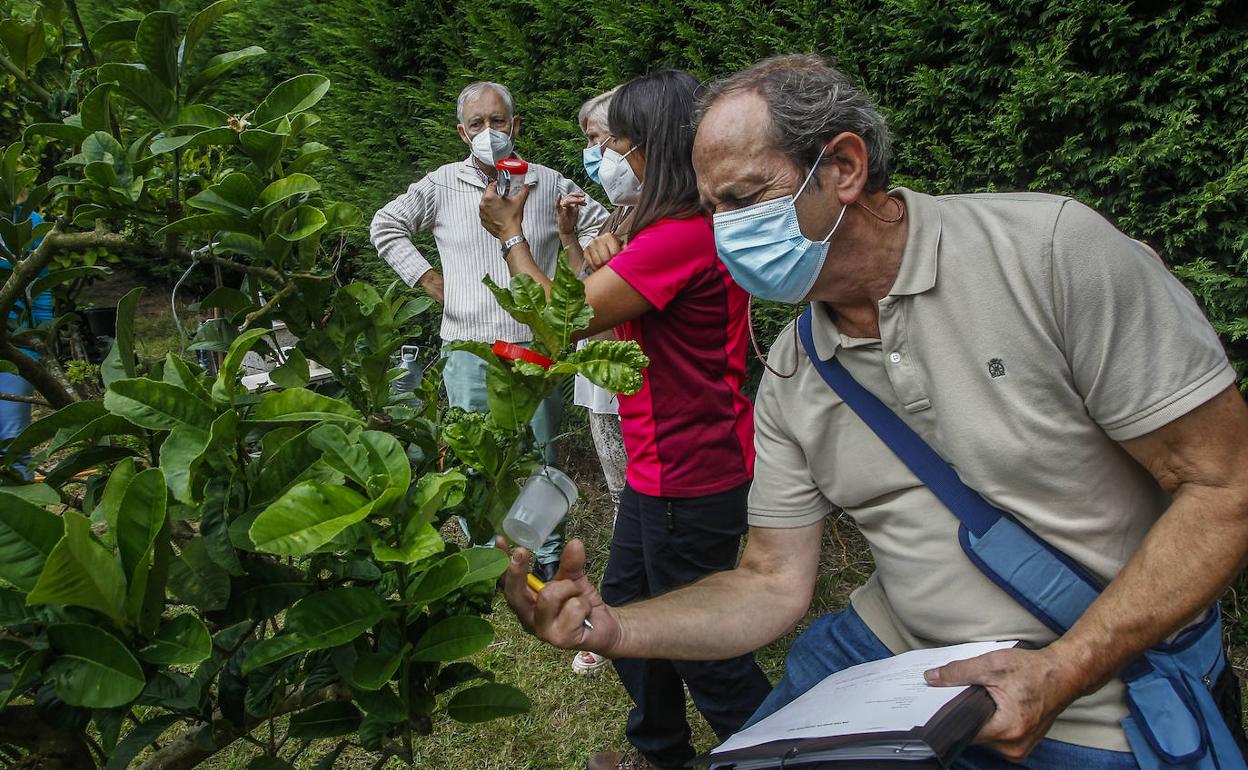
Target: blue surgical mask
x=591, y=157
x=764, y=249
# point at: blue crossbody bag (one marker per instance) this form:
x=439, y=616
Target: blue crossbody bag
x=1174, y=722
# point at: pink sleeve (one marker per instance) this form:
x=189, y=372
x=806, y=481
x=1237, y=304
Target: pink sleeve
x=661, y=260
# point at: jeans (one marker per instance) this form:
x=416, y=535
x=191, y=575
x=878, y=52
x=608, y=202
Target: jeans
x=464, y=378
x=659, y=544
x=840, y=640
x=14, y=415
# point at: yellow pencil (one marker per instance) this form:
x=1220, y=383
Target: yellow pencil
x=536, y=584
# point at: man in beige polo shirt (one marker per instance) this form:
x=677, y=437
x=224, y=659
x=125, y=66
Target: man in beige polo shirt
x=1052, y=360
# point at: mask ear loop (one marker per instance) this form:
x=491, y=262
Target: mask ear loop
x=758, y=352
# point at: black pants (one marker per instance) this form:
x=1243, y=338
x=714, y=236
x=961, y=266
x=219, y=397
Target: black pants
x=660, y=544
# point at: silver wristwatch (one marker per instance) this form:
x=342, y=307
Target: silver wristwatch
x=512, y=241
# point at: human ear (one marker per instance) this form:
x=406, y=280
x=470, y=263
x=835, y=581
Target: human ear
x=515, y=127
x=637, y=160
x=463, y=133
x=847, y=153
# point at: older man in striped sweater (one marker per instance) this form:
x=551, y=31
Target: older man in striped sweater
x=445, y=202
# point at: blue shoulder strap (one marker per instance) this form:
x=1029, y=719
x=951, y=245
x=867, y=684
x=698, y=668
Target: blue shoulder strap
x=1044, y=580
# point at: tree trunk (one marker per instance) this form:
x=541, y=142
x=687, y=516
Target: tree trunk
x=49, y=748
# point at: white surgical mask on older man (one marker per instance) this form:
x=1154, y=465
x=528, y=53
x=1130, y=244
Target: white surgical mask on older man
x=490, y=146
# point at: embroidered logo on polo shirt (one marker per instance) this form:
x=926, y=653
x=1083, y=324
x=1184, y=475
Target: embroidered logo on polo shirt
x=996, y=368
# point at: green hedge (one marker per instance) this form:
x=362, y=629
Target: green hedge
x=1136, y=108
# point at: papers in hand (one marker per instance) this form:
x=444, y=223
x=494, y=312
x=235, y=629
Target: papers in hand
x=886, y=703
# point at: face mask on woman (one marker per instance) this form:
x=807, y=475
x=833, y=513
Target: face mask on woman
x=490, y=146
x=617, y=178
x=591, y=158
x=764, y=249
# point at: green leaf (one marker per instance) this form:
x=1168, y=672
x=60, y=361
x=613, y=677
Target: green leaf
x=373, y=669
x=214, y=526
x=487, y=701
x=292, y=96
x=419, y=541
x=301, y=222
x=292, y=374
x=143, y=88
x=325, y=720
x=232, y=301
x=156, y=42
x=62, y=131
x=223, y=136
x=109, y=508
x=227, y=379
x=115, y=35
x=263, y=147
x=209, y=224
x=513, y=397
x=387, y=460
x=179, y=456
x=453, y=638
x=484, y=564
x=139, y=519
x=606, y=363
x=525, y=301
x=120, y=361
x=197, y=580
x=319, y=621
x=567, y=311
x=178, y=372
x=93, y=668
x=55, y=278
x=218, y=66
x=75, y=416
x=308, y=516
x=288, y=187
x=234, y=195
x=342, y=452
x=80, y=571
x=436, y=491
x=24, y=41
x=95, y=110
x=439, y=580
x=157, y=405
x=182, y=641
x=140, y=737
x=284, y=461
x=28, y=536
x=298, y=404
x=308, y=154
x=199, y=24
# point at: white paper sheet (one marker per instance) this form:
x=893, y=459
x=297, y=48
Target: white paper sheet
x=881, y=696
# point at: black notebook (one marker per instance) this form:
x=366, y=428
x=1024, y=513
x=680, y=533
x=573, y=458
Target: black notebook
x=876, y=715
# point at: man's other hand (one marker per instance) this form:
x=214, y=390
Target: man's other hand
x=1030, y=688
x=557, y=613
x=432, y=283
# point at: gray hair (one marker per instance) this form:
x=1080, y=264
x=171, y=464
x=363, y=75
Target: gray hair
x=810, y=102
x=473, y=89
x=595, y=109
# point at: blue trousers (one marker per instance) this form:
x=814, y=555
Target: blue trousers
x=464, y=378
x=840, y=640
x=14, y=415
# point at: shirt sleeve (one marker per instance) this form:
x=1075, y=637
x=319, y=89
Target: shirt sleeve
x=784, y=494
x=1140, y=350
x=395, y=223
x=660, y=261
x=591, y=219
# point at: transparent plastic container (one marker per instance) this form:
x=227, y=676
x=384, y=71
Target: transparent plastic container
x=544, y=500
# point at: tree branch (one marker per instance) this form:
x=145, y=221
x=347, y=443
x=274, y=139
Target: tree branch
x=194, y=746
x=82, y=32
x=24, y=399
x=22, y=78
x=269, y=306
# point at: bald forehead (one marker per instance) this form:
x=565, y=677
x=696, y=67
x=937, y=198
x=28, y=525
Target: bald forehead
x=733, y=152
x=486, y=103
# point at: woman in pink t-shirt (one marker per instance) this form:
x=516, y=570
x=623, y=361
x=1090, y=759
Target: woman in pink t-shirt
x=689, y=431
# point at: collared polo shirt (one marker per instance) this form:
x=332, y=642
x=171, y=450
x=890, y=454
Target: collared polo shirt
x=1023, y=338
x=446, y=202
